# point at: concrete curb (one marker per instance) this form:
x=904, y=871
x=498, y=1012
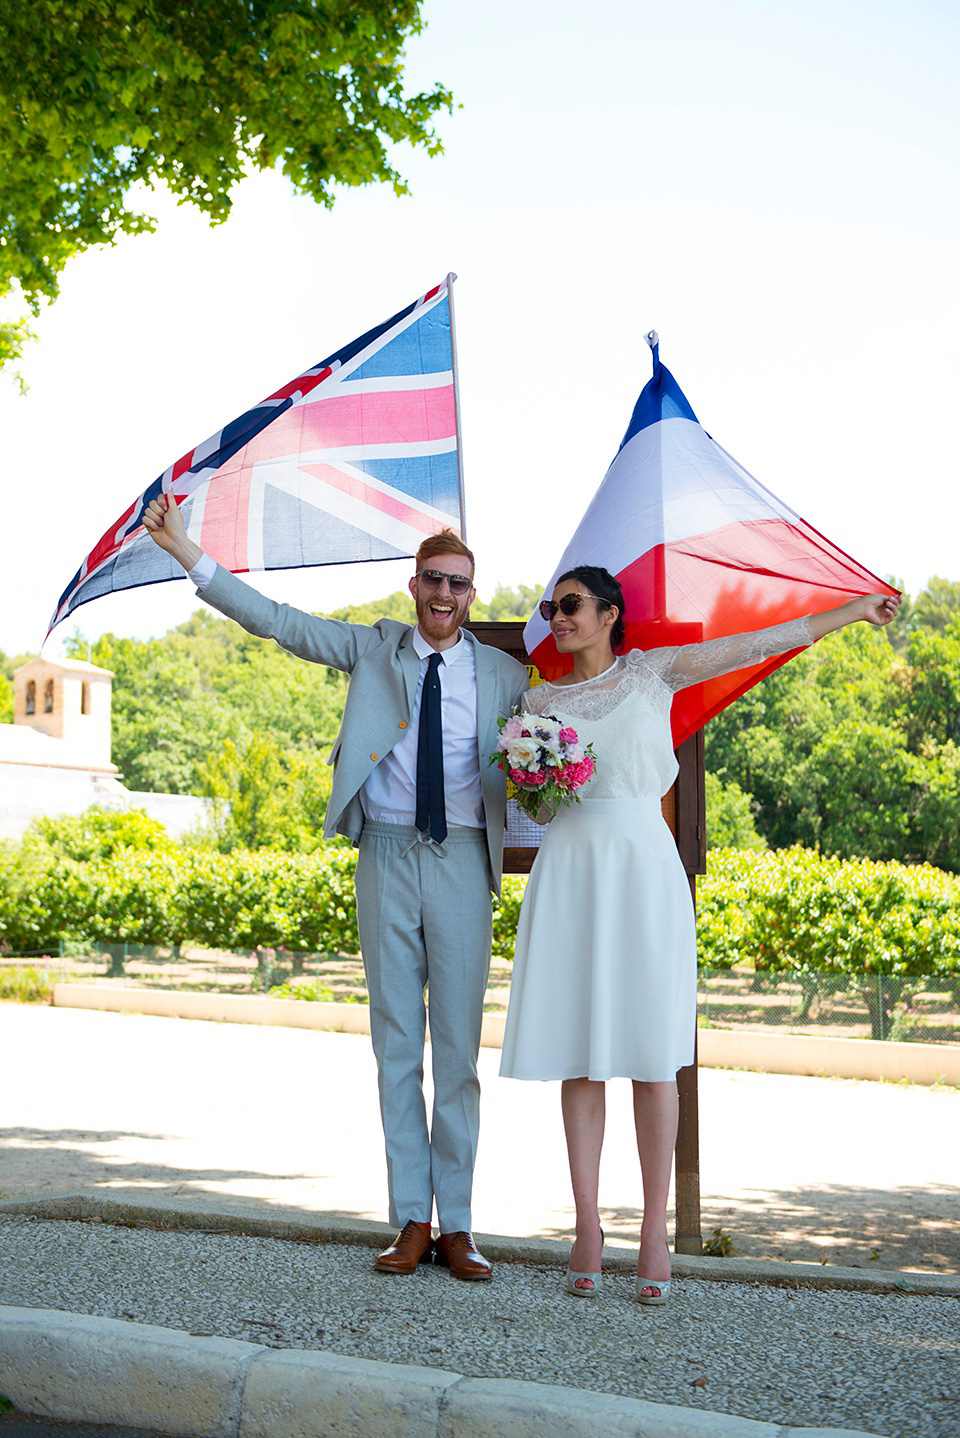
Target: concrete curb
x=801, y=1054
x=160, y=1210
x=99, y=1370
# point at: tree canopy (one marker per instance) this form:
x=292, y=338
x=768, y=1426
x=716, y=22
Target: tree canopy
x=99, y=94
x=852, y=748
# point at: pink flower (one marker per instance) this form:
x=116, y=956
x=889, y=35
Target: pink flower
x=569, y=736
x=513, y=728
x=525, y=779
x=573, y=776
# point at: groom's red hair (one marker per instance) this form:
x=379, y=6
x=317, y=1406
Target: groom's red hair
x=446, y=542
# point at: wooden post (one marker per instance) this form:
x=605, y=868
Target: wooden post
x=684, y=809
x=691, y=836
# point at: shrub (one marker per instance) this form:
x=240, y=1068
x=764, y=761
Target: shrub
x=800, y=912
x=27, y=986
x=506, y=913
x=790, y=910
x=99, y=833
x=311, y=991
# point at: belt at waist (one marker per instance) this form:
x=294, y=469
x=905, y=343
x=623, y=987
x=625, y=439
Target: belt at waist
x=409, y=835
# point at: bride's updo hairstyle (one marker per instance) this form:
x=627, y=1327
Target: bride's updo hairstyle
x=602, y=584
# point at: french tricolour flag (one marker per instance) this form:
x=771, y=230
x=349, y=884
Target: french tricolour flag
x=701, y=549
x=355, y=459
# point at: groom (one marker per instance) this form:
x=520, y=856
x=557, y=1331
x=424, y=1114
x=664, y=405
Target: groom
x=412, y=788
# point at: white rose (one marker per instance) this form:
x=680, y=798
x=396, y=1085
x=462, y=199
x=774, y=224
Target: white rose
x=522, y=753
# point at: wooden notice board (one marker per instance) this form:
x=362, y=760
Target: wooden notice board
x=684, y=808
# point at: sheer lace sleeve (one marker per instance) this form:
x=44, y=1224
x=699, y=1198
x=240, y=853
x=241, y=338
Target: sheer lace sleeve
x=693, y=663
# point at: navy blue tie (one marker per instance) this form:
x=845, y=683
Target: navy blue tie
x=430, y=806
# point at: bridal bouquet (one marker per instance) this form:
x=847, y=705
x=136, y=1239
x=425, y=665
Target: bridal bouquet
x=544, y=759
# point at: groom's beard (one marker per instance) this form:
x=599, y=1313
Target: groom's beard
x=435, y=627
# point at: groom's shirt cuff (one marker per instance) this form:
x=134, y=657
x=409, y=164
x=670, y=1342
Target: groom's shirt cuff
x=202, y=572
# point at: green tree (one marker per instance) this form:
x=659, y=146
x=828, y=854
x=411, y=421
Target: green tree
x=730, y=823
x=931, y=612
x=932, y=701
x=869, y=792
x=937, y=606
x=398, y=605
x=764, y=741
x=99, y=94
x=508, y=603
x=165, y=718
x=938, y=818
x=264, y=797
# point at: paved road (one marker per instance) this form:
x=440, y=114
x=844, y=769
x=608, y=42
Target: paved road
x=817, y=1169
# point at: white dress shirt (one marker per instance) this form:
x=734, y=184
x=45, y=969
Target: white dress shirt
x=390, y=794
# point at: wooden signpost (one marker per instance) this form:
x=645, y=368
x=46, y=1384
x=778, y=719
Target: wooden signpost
x=684, y=809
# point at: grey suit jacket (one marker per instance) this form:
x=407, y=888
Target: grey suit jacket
x=384, y=669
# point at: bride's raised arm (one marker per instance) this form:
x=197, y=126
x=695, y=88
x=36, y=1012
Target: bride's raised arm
x=693, y=663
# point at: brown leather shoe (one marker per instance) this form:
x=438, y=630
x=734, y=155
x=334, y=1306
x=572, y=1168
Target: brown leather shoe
x=459, y=1253
x=412, y=1246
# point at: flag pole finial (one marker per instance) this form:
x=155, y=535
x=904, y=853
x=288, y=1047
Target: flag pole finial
x=653, y=340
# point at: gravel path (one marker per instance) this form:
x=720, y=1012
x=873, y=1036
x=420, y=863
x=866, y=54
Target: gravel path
x=889, y=1364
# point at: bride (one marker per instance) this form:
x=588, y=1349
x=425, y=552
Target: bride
x=605, y=974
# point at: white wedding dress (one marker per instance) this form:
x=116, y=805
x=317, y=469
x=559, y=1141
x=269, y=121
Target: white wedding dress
x=605, y=973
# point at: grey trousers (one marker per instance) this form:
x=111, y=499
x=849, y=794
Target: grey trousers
x=425, y=918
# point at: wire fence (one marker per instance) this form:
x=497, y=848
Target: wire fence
x=257, y=971
x=879, y=1006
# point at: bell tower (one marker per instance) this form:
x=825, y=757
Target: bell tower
x=67, y=700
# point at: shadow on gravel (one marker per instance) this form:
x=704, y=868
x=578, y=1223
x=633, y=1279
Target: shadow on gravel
x=903, y=1228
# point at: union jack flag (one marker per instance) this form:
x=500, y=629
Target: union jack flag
x=355, y=459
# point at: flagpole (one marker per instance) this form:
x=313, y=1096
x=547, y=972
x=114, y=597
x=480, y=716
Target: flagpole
x=456, y=405
x=659, y=559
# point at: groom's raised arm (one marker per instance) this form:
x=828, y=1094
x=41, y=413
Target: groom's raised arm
x=321, y=641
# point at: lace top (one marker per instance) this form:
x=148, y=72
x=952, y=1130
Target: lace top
x=625, y=711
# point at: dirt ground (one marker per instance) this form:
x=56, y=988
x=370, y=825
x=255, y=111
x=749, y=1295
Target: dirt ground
x=729, y=999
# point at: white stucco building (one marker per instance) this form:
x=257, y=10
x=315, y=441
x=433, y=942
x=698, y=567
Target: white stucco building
x=55, y=756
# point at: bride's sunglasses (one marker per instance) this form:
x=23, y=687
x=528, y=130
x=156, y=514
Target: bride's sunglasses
x=568, y=605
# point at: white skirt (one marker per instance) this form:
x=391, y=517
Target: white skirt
x=605, y=971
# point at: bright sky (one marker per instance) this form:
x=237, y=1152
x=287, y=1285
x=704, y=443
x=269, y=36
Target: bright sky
x=772, y=186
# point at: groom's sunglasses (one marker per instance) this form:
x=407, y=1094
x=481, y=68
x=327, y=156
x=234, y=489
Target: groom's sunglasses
x=568, y=605
x=433, y=578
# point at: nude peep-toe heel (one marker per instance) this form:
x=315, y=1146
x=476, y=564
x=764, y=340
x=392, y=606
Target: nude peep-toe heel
x=574, y=1280
x=662, y=1286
